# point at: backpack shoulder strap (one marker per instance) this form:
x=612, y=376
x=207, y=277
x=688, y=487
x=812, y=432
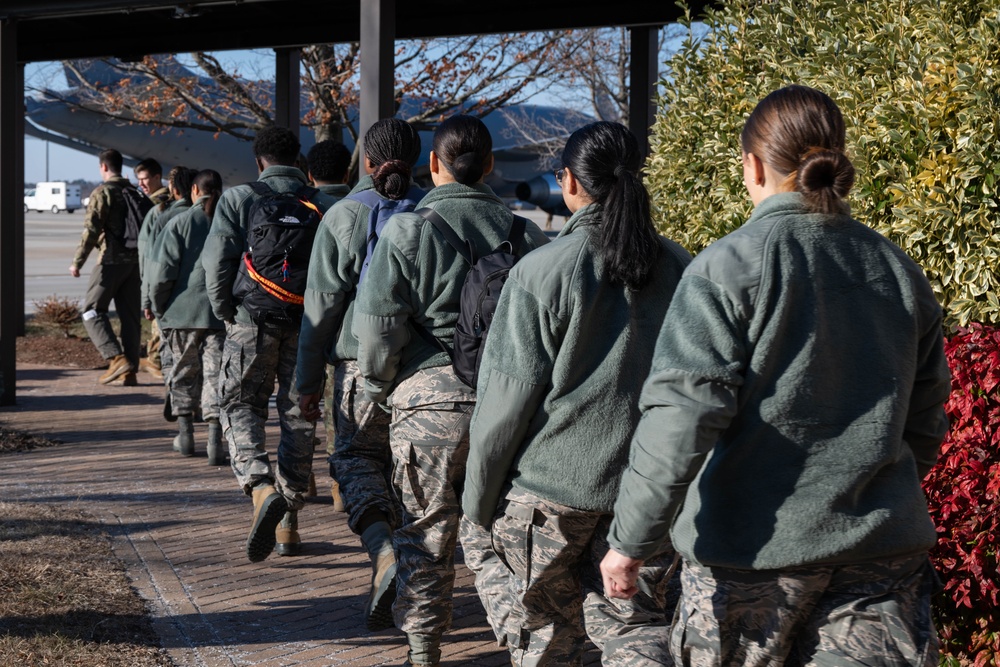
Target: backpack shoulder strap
x=369, y=198
x=517, y=227
x=433, y=217
x=306, y=192
x=260, y=188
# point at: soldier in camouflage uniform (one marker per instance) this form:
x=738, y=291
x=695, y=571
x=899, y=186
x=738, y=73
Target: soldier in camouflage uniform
x=559, y=380
x=357, y=429
x=116, y=276
x=195, y=336
x=794, y=403
x=413, y=283
x=258, y=355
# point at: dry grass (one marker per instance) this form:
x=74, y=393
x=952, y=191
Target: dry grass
x=64, y=596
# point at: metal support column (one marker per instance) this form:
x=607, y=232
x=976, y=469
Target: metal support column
x=643, y=77
x=287, y=86
x=378, y=61
x=11, y=205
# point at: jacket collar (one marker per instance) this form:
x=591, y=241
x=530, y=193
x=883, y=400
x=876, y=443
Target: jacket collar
x=281, y=171
x=589, y=215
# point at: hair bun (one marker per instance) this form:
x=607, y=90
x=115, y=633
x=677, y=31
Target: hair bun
x=824, y=176
x=467, y=168
x=392, y=179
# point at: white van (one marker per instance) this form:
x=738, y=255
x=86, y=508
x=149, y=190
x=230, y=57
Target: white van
x=55, y=196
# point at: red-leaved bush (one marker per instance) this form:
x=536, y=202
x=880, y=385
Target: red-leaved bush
x=963, y=492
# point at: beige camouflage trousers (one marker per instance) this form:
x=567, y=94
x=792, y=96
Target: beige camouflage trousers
x=540, y=582
x=254, y=359
x=430, y=445
x=194, y=380
x=872, y=614
x=358, y=434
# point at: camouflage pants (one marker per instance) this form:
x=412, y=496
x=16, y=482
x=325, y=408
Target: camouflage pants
x=873, y=614
x=194, y=382
x=362, y=461
x=554, y=593
x=166, y=356
x=154, y=342
x=119, y=283
x=430, y=445
x=253, y=359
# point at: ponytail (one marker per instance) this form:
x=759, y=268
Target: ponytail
x=604, y=157
x=209, y=184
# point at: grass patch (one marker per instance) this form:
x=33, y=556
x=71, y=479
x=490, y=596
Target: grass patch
x=64, y=596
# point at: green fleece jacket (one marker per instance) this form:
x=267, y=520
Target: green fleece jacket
x=794, y=404
x=559, y=383
x=334, y=269
x=415, y=276
x=227, y=240
x=177, y=275
x=152, y=224
x=329, y=195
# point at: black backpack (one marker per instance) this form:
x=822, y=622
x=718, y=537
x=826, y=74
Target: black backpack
x=137, y=205
x=271, y=280
x=480, y=294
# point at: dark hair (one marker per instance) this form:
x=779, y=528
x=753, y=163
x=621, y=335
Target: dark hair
x=209, y=184
x=111, y=159
x=605, y=159
x=464, y=146
x=181, y=179
x=276, y=145
x=150, y=165
x=328, y=161
x=392, y=147
x=799, y=132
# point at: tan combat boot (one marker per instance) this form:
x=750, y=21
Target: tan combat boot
x=268, y=509
x=338, y=500
x=286, y=535
x=377, y=540
x=119, y=365
x=145, y=364
x=311, y=490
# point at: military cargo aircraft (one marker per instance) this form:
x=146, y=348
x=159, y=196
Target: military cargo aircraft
x=526, y=137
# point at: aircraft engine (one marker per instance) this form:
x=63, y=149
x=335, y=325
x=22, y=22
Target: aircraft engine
x=542, y=191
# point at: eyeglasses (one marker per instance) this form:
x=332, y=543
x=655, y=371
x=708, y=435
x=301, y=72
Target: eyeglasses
x=560, y=174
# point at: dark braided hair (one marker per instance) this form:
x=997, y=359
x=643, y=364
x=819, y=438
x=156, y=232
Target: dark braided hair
x=392, y=147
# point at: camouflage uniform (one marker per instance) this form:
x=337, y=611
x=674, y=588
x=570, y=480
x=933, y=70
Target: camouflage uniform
x=554, y=589
x=359, y=434
x=429, y=437
x=116, y=276
x=875, y=613
x=194, y=382
x=252, y=358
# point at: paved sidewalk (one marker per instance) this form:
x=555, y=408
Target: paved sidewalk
x=179, y=526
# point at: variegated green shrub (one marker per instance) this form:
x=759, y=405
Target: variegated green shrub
x=919, y=84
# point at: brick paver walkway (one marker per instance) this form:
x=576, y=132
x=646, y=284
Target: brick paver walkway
x=179, y=526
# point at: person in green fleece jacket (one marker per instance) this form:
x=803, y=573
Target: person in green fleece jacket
x=793, y=407
x=357, y=429
x=568, y=350
x=194, y=334
x=415, y=280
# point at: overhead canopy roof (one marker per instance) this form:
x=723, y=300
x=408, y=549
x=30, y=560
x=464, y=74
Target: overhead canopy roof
x=63, y=29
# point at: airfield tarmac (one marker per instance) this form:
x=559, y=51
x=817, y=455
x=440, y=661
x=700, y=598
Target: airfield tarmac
x=50, y=239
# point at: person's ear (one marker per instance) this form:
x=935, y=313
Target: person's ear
x=260, y=165
x=489, y=165
x=434, y=163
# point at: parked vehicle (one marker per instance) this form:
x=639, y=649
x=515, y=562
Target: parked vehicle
x=52, y=196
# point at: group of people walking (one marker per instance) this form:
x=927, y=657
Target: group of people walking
x=713, y=461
